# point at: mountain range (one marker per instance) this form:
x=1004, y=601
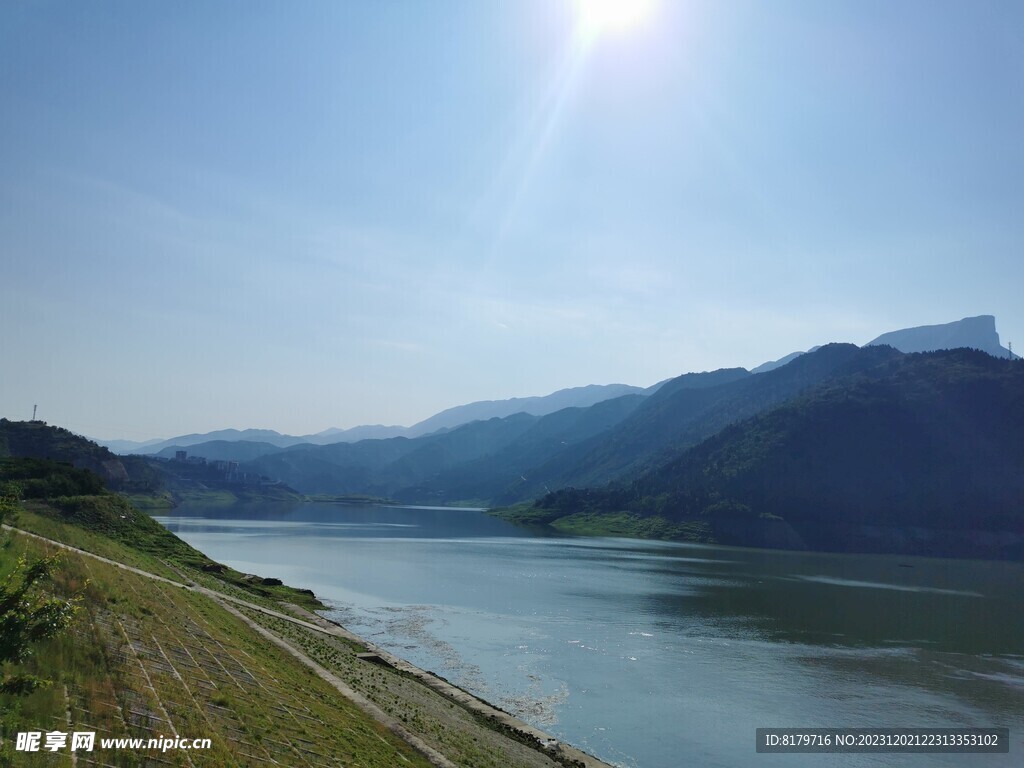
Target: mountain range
x=522, y=456
x=913, y=453
x=893, y=434
x=971, y=332
x=573, y=397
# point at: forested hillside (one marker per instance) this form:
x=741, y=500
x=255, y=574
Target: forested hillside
x=920, y=453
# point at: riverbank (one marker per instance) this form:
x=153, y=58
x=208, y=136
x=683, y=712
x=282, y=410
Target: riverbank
x=616, y=524
x=166, y=609
x=498, y=718
x=164, y=501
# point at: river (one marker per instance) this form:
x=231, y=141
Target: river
x=653, y=654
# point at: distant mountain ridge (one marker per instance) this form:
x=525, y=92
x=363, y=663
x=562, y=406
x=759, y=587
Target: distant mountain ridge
x=771, y=365
x=574, y=397
x=221, y=450
x=520, y=457
x=508, y=451
x=685, y=411
x=971, y=333
x=479, y=461
x=915, y=454
x=845, y=448
x=842, y=447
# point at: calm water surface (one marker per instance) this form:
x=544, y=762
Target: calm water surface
x=651, y=654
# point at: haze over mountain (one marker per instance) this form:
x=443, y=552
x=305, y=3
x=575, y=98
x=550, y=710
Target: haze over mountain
x=944, y=422
x=971, y=332
x=507, y=451
x=771, y=365
x=519, y=457
x=851, y=448
x=221, y=450
x=574, y=397
x=266, y=436
x=918, y=453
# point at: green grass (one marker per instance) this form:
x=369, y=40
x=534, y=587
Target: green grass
x=227, y=497
x=38, y=518
x=449, y=728
x=210, y=498
x=151, y=502
x=138, y=645
x=624, y=524
x=96, y=525
x=326, y=498
x=144, y=658
x=628, y=525
x=140, y=650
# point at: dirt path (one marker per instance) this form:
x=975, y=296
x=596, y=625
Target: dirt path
x=499, y=720
x=435, y=757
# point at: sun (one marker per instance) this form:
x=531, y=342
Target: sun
x=600, y=17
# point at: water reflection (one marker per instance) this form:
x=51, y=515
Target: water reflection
x=353, y=519
x=614, y=643
x=844, y=600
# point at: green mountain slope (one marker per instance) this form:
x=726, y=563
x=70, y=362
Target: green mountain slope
x=477, y=461
x=685, y=411
x=504, y=472
x=221, y=450
x=150, y=482
x=921, y=453
x=521, y=457
x=382, y=467
x=36, y=439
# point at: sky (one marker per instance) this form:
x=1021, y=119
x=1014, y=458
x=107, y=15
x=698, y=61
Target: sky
x=297, y=216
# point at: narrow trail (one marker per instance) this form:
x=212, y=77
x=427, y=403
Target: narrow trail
x=501, y=720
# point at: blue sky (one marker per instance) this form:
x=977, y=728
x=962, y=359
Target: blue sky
x=304, y=215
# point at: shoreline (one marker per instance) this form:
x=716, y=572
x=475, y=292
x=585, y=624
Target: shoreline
x=497, y=718
x=486, y=714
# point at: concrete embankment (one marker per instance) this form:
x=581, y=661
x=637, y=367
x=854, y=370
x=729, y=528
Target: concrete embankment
x=505, y=730
x=495, y=717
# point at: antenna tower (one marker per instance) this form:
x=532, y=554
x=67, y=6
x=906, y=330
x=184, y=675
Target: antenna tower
x=34, y=407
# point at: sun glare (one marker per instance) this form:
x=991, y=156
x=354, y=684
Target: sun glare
x=598, y=17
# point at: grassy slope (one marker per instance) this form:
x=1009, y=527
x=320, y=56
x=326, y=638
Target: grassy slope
x=142, y=652
x=147, y=658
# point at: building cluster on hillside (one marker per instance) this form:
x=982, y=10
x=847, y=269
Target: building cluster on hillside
x=227, y=470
